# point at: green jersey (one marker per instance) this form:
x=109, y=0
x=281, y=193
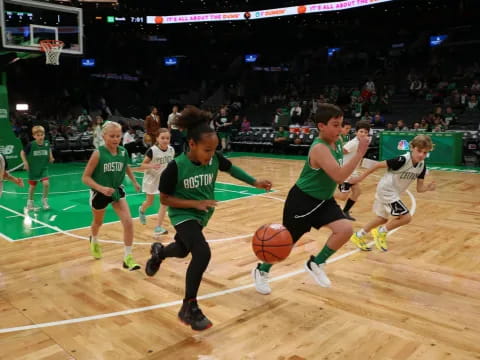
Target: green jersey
x=110, y=170
x=38, y=157
x=345, y=138
x=194, y=182
x=316, y=182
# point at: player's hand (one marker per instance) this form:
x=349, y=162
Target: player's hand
x=137, y=187
x=107, y=191
x=363, y=143
x=26, y=167
x=19, y=182
x=204, y=205
x=52, y=159
x=155, y=166
x=263, y=184
x=432, y=186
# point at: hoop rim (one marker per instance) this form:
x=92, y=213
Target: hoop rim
x=46, y=45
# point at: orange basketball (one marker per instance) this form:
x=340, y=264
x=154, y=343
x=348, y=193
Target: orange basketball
x=272, y=243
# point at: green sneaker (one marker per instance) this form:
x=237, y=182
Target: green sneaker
x=380, y=239
x=141, y=216
x=129, y=263
x=359, y=242
x=95, y=249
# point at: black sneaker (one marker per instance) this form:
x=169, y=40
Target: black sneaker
x=347, y=216
x=190, y=314
x=153, y=264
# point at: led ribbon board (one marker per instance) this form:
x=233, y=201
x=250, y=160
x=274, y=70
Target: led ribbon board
x=263, y=14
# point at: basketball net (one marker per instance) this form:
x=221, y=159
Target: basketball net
x=52, y=49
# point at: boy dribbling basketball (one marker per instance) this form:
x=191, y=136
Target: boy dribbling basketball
x=310, y=202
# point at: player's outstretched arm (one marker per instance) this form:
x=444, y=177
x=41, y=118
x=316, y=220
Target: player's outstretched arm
x=379, y=165
x=422, y=187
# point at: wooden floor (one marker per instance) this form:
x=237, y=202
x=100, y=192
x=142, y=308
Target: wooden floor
x=421, y=300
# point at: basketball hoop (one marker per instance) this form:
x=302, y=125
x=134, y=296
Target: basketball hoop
x=52, y=49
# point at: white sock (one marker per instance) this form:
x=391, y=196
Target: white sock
x=361, y=233
x=30, y=202
x=128, y=250
x=94, y=239
x=382, y=229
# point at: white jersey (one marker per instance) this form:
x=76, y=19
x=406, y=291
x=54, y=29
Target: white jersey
x=351, y=147
x=151, y=178
x=395, y=182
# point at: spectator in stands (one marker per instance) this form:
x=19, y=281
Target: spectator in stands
x=97, y=132
x=296, y=114
x=390, y=127
x=438, y=125
x=370, y=85
x=450, y=117
x=152, y=126
x=245, y=124
x=385, y=104
x=178, y=138
x=83, y=121
x=401, y=126
x=416, y=127
x=475, y=89
x=472, y=104
x=280, y=142
x=223, y=123
x=129, y=141
x=424, y=124
x=378, y=121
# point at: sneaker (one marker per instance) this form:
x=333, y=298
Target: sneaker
x=95, y=249
x=130, y=264
x=261, y=281
x=141, y=216
x=317, y=272
x=359, y=242
x=348, y=217
x=153, y=264
x=159, y=231
x=30, y=206
x=190, y=314
x=380, y=239
x=45, y=204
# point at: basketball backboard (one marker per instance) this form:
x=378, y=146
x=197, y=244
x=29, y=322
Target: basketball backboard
x=24, y=23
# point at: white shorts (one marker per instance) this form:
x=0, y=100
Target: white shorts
x=385, y=210
x=150, y=188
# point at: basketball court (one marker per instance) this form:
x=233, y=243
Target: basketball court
x=420, y=300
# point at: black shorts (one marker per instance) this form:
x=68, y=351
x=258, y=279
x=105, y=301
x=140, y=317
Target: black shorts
x=302, y=212
x=98, y=201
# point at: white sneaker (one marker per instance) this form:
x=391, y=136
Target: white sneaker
x=317, y=272
x=30, y=206
x=45, y=204
x=261, y=281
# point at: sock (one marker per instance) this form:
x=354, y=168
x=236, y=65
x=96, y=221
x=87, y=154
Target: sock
x=128, y=250
x=361, y=233
x=30, y=202
x=93, y=239
x=348, y=205
x=382, y=229
x=323, y=255
x=265, y=267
